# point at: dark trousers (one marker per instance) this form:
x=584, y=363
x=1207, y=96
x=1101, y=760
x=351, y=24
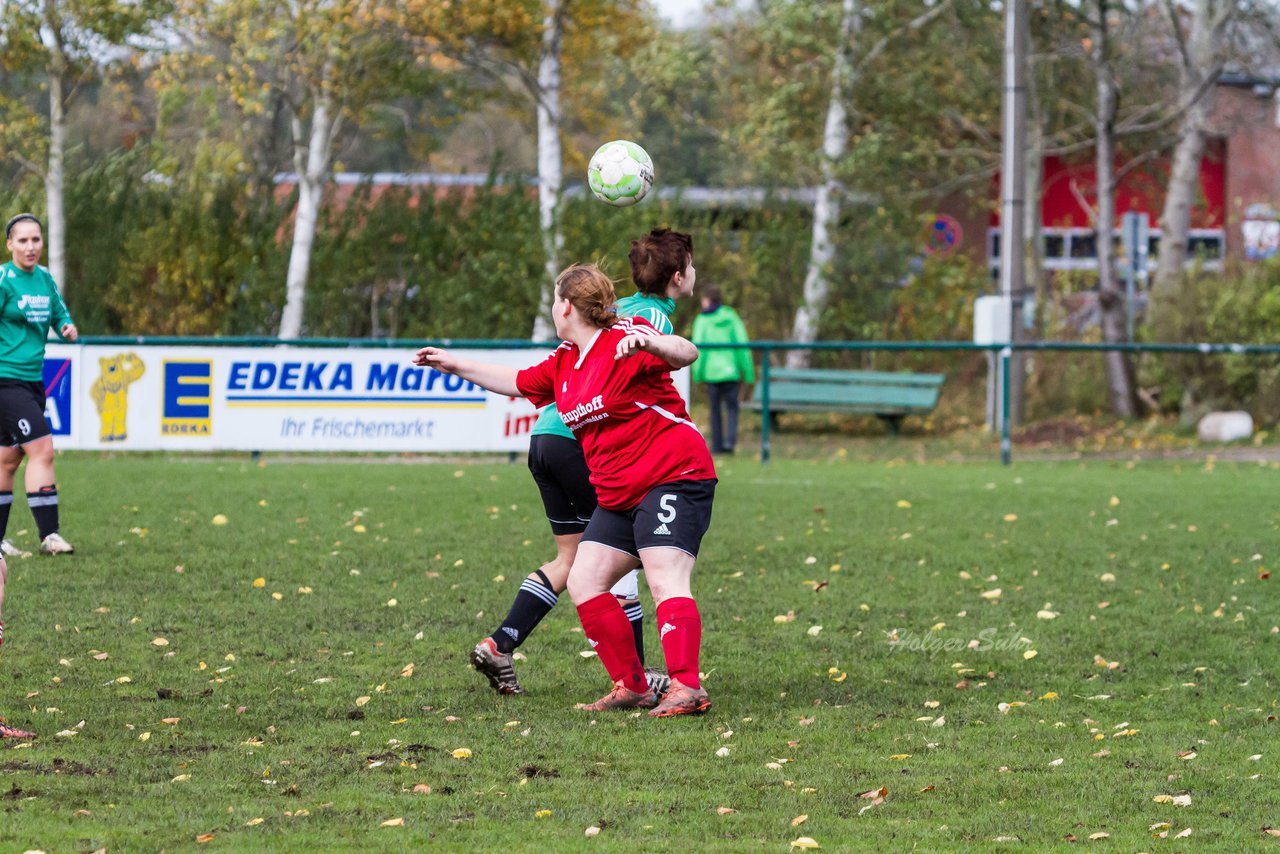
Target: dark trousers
x=724, y=415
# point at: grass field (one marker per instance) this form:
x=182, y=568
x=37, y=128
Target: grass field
x=297, y=677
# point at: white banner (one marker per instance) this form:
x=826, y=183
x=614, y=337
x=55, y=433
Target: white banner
x=279, y=399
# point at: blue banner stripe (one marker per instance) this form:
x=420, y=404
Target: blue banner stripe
x=241, y=398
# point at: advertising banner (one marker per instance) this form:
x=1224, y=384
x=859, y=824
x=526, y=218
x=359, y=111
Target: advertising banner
x=279, y=399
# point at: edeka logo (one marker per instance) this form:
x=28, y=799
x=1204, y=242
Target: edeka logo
x=57, y=393
x=188, y=397
x=110, y=393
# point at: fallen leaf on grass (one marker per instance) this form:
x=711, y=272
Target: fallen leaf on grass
x=205, y=837
x=422, y=789
x=259, y=582
x=991, y=594
x=799, y=820
x=181, y=778
x=898, y=757
x=805, y=842
x=407, y=670
x=591, y=831
x=159, y=642
x=788, y=617
x=254, y=822
x=725, y=811
x=542, y=814
x=170, y=721
x=462, y=753
x=393, y=822
x=1101, y=834
x=1176, y=800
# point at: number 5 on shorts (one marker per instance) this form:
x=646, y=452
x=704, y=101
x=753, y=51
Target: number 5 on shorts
x=668, y=505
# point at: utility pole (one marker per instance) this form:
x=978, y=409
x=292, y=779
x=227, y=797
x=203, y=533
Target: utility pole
x=1012, y=167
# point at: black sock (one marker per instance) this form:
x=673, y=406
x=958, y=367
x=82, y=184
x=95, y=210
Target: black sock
x=44, y=506
x=534, y=601
x=6, y=502
x=635, y=614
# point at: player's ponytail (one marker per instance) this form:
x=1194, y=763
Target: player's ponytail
x=589, y=291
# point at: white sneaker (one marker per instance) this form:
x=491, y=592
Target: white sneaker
x=8, y=549
x=55, y=545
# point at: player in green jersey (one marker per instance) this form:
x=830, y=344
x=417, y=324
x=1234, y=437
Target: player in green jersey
x=30, y=306
x=662, y=270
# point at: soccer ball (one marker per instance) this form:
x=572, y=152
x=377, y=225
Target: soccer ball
x=620, y=173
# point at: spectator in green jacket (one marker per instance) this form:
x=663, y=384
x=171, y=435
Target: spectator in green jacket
x=724, y=371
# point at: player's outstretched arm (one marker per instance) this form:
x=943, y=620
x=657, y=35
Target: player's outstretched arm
x=500, y=379
x=675, y=351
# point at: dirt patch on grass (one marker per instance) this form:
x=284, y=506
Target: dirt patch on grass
x=58, y=766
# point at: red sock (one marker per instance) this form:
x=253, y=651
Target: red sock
x=609, y=631
x=680, y=627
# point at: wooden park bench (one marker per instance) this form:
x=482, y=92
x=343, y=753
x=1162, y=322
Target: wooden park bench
x=888, y=395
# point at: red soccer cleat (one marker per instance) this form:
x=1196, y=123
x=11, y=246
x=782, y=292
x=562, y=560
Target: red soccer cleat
x=681, y=700
x=621, y=698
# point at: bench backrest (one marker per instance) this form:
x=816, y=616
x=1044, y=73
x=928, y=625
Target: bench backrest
x=864, y=378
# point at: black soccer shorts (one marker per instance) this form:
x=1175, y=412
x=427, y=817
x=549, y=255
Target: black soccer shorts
x=22, y=413
x=563, y=479
x=672, y=515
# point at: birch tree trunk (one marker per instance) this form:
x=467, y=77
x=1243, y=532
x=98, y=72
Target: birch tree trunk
x=54, y=175
x=1202, y=62
x=312, y=165
x=55, y=182
x=1111, y=298
x=550, y=164
x=1035, y=279
x=826, y=208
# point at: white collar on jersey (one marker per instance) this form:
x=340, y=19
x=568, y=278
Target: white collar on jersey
x=587, y=349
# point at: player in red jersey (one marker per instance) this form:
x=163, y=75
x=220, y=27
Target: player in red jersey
x=653, y=474
x=7, y=731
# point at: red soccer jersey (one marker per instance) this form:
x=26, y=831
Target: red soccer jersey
x=633, y=425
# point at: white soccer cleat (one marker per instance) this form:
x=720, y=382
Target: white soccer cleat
x=8, y=549
x=55, y=545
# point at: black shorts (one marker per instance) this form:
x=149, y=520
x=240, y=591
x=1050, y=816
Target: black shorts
x=22, y=413
x=673, y=515
x=561, y=472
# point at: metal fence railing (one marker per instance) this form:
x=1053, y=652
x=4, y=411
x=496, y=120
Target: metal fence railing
x=1002, y=353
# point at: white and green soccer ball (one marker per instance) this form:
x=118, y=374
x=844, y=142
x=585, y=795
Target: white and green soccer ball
x=620, y=173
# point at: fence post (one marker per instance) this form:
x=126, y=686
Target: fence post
x=1006, y=442
x=764, y=408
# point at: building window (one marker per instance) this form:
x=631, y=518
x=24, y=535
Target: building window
x=1077, y=248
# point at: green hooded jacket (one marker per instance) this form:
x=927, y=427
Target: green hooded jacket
x=722, y=326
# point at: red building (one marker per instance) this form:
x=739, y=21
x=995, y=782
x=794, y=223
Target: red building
x=1235, y=215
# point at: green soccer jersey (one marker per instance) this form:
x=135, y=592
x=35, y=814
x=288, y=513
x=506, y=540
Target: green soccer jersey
x=29, y=307
x=656, y=310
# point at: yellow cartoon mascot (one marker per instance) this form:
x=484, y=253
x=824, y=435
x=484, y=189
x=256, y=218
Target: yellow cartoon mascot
x=110, y=393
